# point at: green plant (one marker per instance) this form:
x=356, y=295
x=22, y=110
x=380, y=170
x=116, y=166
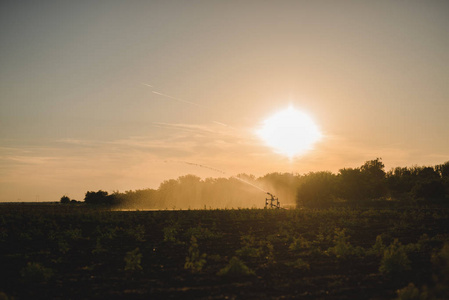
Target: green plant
x=73, y=234
x=394, y=260
x=170, y=233
x=299, y=264
x=137, y=232
x=202, y=233
x=36, y=273
x=133, y=260
x=99, y=247
x=440, y=263
x=342, y=248
x=410, y=292
x=378, y=247
x=298, y=244
x=3, y=296
x=235, y=268
x=250, y=248
x=194, y=260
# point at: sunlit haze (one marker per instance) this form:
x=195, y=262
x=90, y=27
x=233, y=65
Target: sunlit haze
x=290, y=132
x=122, y=95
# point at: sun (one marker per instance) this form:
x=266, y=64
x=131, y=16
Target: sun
x=290, y=132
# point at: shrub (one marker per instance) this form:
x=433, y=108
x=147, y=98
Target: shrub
x=133, y=260
x=170, y=233
x=378, y=247
x=440, y=263
x=36, y=273
x=342, y=248
x=202, y=233
x=65, y=199
x=235, y=268
x=250, y=247
x=299, y=244
x=194, y=260
x=3, y=296
x=410, y=292
x=394, y=260
x=137, y=232
x=299, y=264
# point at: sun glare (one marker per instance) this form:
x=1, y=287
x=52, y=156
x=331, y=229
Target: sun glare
x=290, y=132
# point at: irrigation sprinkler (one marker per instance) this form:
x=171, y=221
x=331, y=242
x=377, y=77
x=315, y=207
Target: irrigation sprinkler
x=272, y=202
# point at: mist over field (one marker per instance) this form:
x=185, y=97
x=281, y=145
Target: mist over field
x=366, y=185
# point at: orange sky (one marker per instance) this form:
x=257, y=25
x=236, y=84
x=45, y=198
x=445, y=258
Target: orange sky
x=84, y=89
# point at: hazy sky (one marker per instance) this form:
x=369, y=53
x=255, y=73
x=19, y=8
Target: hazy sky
x=77, y=114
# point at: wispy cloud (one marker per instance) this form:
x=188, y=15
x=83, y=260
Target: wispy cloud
x=176, y=99
x=170, y=97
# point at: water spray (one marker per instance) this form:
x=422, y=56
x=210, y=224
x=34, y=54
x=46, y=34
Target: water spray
x=272, y=202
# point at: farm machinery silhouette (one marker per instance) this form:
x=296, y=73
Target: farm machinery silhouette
x=272, y=202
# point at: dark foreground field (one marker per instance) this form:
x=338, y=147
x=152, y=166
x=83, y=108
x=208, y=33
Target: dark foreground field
x=73, y=252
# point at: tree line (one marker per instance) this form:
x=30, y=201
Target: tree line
x=370, y=182
x=365, y=185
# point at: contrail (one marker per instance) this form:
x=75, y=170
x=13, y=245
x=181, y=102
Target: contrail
x=219, y=123
x=168, y=96
x=183, y=101
x=177, y=99
x=223, y=124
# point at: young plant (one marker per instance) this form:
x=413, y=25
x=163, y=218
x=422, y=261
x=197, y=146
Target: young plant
x=36, y=273
x=378, y=247
x=394, y=260
x=299, y=244
x=235, y=268
x=133, y=260
x=137, y=232
x=170, y=234
x=342, y=248
x=250, y=248
x=299, y=264
x=194, y=260
x=410, y=292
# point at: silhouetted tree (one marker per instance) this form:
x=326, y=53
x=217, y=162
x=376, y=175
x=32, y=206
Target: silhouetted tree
x=373, y=176
x=364, y=183
x=443, y=170
x=351, y=185
x=317, y=189
x=96, y=198
x=65, y=199
x=430, y=189
x=400, y=182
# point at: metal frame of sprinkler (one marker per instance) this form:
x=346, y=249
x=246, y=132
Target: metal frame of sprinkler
x=272, y=202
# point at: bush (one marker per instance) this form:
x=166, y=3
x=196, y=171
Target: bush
x=299, y=244
x=342, y=248
x=235, y=268
x=3, y=296
x=36, y=273
x=194, y=260
x=440, y=263
x=378, y=247
x=137, y=232
x=133, y=260
x=410, y=292
x=65, y=199
x=299, y=264
x=394, y=260
x=170, y=233
x=250, y=248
